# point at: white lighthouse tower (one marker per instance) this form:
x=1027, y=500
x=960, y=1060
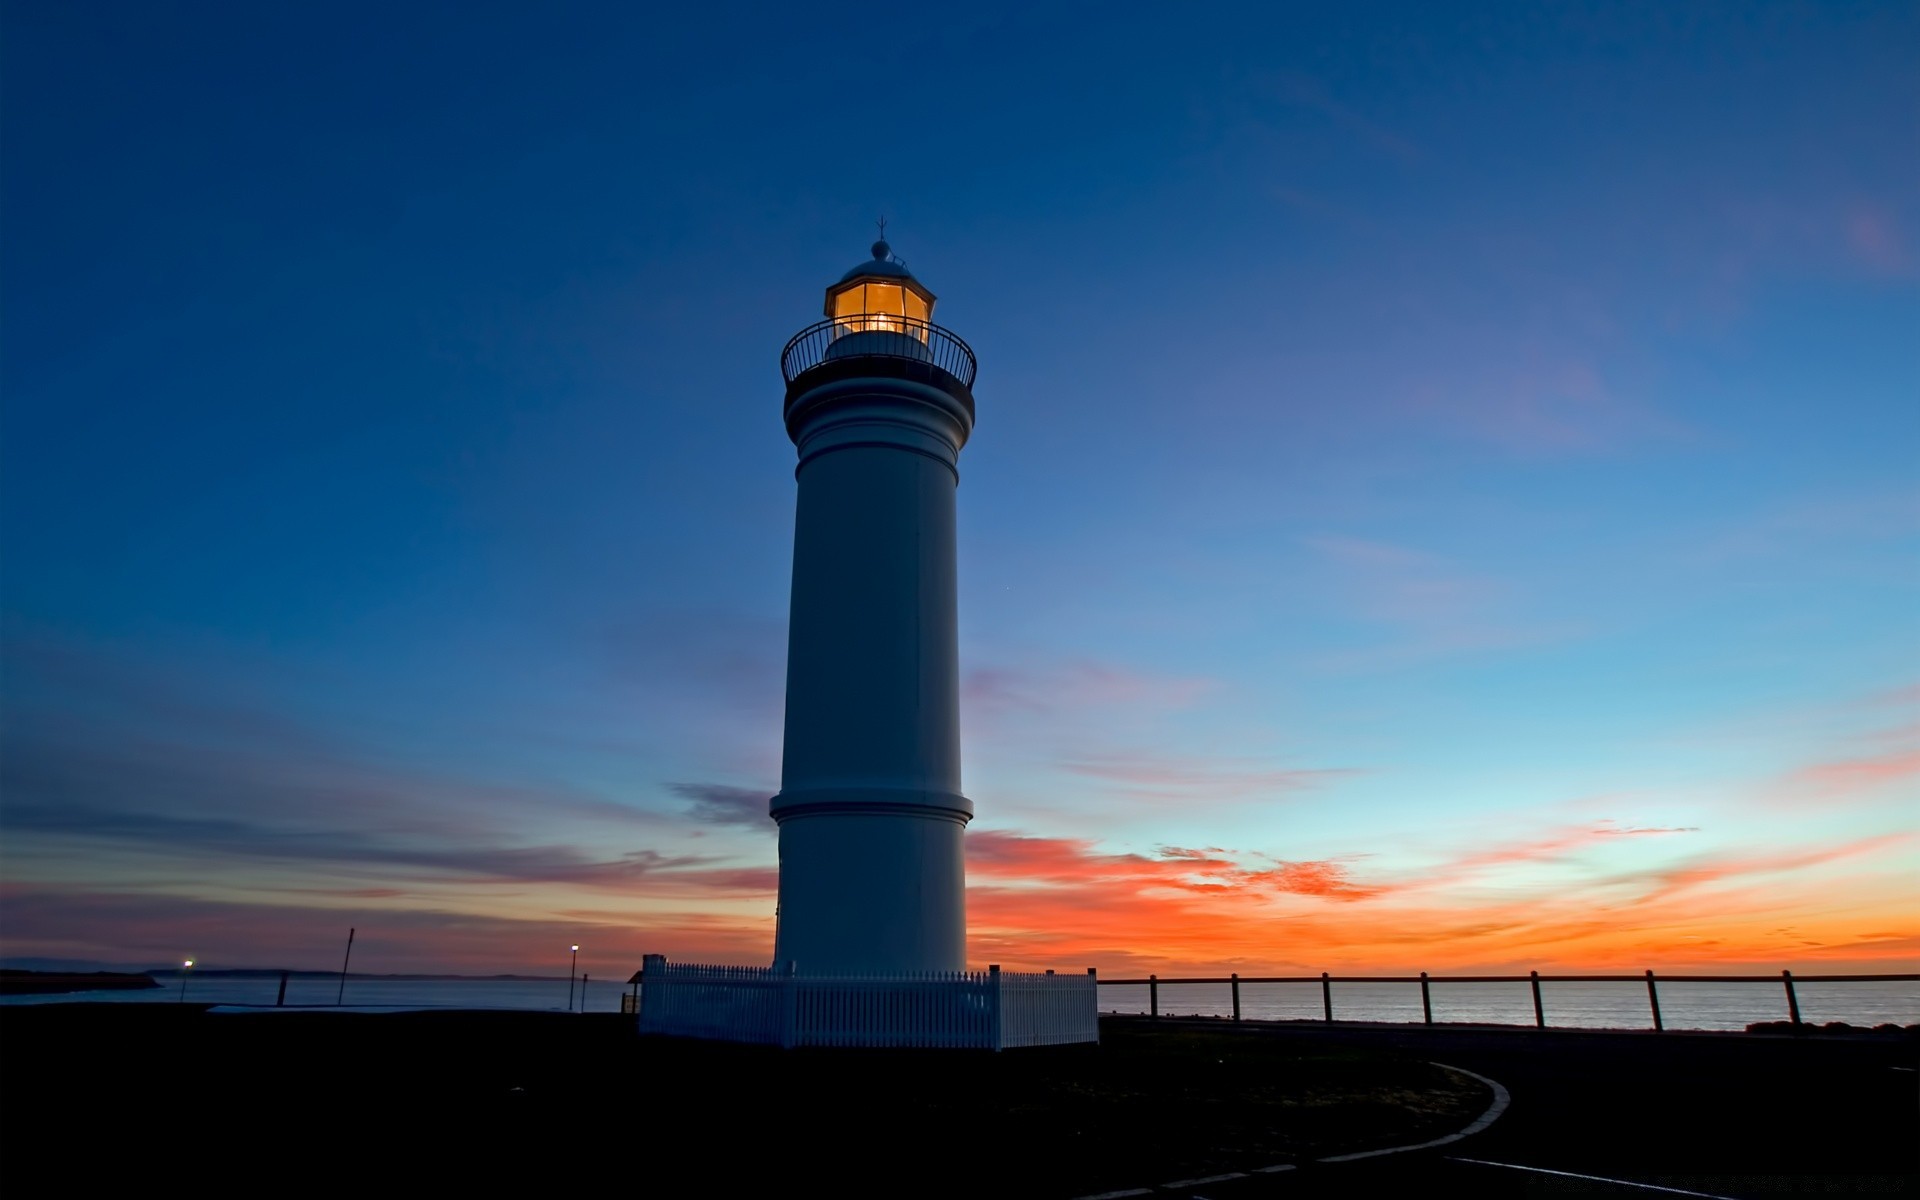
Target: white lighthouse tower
x=879, y=403
x=871, y=946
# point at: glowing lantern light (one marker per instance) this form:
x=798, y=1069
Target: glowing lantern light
x=880, y=296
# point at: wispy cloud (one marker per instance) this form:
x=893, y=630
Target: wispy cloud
x=1907, y=696
x=118, y=773
x=1438, y=608
x=1551, y=847
x=1876, y=241
x=1656, y=885
x=1836, y=233
x=722, y=804
x=1010, y=858
x=726, y=660
x=417, y=854
x=1314, y=95
x=1795, y=526
x=1847, y=776
x=1038, y=900
x=1173, y=777
x=1075, y=686
x=1113, y=725
x=1006, y=855
x=151, y=928
x=383, y=854
x=1550, y=406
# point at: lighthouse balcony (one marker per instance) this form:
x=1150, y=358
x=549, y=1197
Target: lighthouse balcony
x=876, y=343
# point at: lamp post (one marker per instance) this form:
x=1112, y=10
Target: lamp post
x=570, y=968
x=340, y=997
x=186, y=969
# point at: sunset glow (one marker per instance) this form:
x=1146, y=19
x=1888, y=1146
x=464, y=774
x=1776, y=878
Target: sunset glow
x=1444, y=494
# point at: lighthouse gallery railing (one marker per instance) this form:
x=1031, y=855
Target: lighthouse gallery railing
x=878, y=335
x=989, y=1010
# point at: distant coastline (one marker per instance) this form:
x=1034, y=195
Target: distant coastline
x=49, y=983
x=352, y=976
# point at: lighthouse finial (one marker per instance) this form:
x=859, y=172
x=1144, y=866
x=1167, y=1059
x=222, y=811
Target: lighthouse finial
x=880, y=248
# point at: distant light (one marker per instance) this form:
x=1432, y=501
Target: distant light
x=187, y=963
x=576, y=947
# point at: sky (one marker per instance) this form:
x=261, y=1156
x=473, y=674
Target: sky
x=1446, y=492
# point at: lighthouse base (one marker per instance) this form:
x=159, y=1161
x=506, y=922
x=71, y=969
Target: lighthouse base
x=868, y=888
x=982, y=1010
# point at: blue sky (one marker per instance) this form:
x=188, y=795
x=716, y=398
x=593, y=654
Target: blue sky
x=1441, y=471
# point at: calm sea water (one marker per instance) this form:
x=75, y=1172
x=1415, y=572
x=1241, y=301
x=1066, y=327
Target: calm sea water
x=533, y=994
x=1590, y=1005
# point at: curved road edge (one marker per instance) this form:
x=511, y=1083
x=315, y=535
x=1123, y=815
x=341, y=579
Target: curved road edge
x=1501, y=1098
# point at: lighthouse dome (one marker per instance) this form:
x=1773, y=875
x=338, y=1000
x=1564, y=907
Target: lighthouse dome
x=880, y=294
x=881, y=266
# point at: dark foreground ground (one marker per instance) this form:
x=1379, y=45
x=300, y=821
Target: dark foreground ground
x=168, y=1098
x=560, y=1101
x=1719, y=1114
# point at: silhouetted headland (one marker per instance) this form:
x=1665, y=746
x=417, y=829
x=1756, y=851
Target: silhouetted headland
x=50, y=983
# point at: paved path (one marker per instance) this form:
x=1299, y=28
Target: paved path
x=1729, y=1115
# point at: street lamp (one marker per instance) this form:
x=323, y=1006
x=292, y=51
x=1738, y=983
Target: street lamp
x=570, y=968
x=186, y=968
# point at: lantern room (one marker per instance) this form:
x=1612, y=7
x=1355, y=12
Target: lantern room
x=880, y=296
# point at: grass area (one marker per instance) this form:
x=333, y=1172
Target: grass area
x=518, y=1096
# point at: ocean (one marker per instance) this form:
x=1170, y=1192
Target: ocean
x=1584, y=1005
x=537, y=995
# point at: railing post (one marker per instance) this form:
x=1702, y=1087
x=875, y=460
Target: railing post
x=1236, y=995
x=281, y=999
x=789, y=1007
x=1653, y=1001
x=653, y=976
x=1153, y=996
x=1093, y=983
x=1539, y=1011
x=1326, y=995
x=1793, y=1001
x=993, y=989
x=1426, y=999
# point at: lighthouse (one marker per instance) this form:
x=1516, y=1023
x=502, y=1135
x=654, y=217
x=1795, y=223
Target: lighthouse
x=870, y=945
x=879, y=403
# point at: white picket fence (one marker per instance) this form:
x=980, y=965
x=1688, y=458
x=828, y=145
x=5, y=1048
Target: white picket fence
x=991, y=1009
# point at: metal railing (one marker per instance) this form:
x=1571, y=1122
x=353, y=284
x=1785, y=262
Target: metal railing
x=877, y=335
x=1326, y=981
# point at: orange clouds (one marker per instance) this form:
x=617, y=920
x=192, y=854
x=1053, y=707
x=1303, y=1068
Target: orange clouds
x=1046, y=901
x=1328, y=879
x=1858, y=774
x=1601, y=896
